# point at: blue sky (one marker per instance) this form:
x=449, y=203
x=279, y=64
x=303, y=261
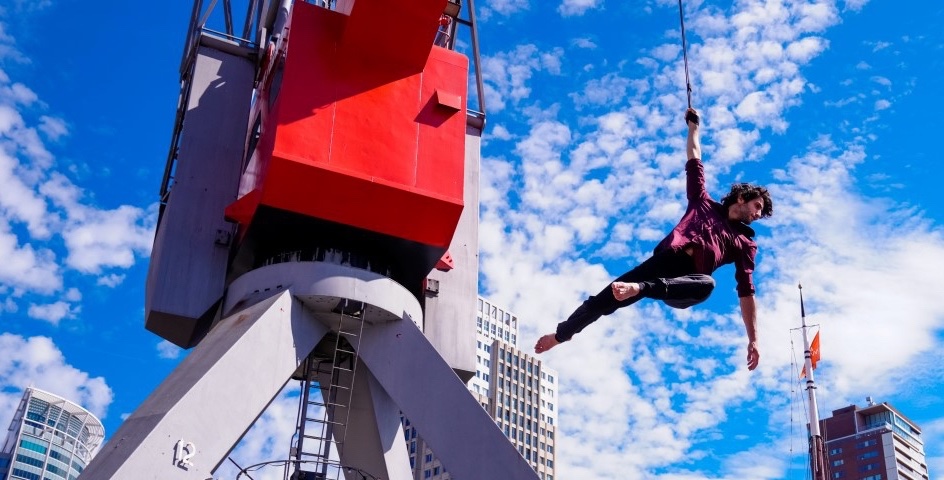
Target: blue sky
x=835, y=105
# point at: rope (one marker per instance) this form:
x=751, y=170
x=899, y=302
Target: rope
x=688, y=83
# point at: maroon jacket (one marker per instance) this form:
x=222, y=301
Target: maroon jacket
x=716, y=240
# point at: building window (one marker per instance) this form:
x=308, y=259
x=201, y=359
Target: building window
x=29, y=460
x=866, y=468
x=866, y=455
x=24, y=474
x=873, y=477
x=837, y=463
x=835, y=451
x=837, y=475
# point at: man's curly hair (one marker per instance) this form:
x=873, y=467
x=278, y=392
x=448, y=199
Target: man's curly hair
x=749, y=192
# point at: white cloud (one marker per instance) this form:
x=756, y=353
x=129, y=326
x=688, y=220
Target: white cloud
x=815, y=16
x=876, y=46
x=608, y=90
x=73, y=295
x=882, y=104
x=584, y=43
x=19, y=202
x=26, y=269
x=806, y=49
x=503, y=7
x=855, y=5
x=53, y=312
x=570, y=8
x=28, y=6
x=884, y=81
x=37, y=362
x=934, y=429
x=54, y=128
x=499, y=132
x=507, y=73
x=98, y=239
x=111, y=280
x=168, y=350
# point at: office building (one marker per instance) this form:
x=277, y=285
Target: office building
x=876, y=442
x=516, y=389
x=50, y=438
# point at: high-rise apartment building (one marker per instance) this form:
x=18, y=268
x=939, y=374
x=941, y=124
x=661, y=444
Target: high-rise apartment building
x=514, y=387
x=50, y=438
x=876, y=442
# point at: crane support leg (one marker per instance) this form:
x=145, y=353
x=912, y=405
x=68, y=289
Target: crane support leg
x=188, y=425
x=439, y=404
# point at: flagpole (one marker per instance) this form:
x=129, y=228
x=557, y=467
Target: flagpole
x=817, y=446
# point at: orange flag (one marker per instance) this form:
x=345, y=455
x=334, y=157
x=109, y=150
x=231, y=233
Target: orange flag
x=814, y=354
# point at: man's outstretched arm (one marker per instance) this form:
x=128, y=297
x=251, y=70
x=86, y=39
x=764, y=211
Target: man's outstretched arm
x=749, y=315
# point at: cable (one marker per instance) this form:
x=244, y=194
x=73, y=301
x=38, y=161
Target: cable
x=688, y=83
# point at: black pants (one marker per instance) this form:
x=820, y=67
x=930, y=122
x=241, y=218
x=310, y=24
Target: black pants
x=668, y=276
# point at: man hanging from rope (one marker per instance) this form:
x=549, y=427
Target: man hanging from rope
x=709, y=235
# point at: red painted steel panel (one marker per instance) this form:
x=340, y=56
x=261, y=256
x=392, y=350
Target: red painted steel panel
x=398, y=35
x=375, y=131
x=366, y=144
x=438, y=125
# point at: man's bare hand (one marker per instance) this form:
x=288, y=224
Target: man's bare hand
x=691, y=117
x=753, y=355
x=546, y=343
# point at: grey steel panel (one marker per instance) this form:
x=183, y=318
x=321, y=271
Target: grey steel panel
x=449, y=320
x=189, y=259
x=321, y=285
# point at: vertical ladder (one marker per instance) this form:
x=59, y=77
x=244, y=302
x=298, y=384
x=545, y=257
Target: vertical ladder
x=321, y=434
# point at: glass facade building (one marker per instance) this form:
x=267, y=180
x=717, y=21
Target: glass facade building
x=50, y=438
